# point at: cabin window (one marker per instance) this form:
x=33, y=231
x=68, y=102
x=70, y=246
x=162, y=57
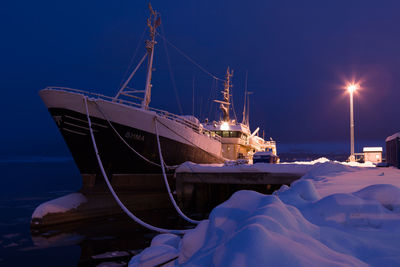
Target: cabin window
x=234, y=134
x=231, y=134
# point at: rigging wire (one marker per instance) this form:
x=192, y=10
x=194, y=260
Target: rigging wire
x=211, y=103
x=214, y=107
x=233, y=106
x=244, y=104
x=190, y=59
x=200, y=106
x=193, y=96
x=171, y=73
x=133, y=57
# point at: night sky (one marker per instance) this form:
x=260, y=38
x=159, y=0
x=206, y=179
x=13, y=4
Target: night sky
x=298, y=54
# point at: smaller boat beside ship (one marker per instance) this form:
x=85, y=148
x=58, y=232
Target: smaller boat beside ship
x=237, y=141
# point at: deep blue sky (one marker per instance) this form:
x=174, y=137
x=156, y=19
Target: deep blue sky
x=298, y=55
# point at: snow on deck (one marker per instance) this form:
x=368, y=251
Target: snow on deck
x=59, y=205
x=335, y=215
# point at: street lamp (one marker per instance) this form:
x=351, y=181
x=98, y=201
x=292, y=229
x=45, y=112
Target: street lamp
x=352, y=88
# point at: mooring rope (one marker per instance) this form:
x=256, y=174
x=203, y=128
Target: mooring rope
x=171, y=197
x=123, y=207
x=126, y=143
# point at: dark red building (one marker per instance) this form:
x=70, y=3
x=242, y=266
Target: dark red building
x=393, y=150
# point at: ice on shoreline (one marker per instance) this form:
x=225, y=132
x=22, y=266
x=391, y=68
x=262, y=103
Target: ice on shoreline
x=59, y=205
x=335, y=214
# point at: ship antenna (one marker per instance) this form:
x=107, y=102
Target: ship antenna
x=153, y=22
x=224, y=105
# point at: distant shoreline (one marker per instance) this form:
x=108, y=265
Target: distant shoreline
x=34, y=159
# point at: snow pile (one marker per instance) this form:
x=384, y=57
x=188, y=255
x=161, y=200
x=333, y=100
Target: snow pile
x=320, y=160
x=59, y=205
x=358, y=164
x=163, y=248
x=302, y=225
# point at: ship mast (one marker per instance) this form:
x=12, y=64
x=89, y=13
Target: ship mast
x=224, y=105
x=152, y=22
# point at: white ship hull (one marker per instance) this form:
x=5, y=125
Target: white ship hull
x=180, y=140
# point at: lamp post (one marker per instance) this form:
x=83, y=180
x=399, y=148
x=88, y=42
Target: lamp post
x=351, y=88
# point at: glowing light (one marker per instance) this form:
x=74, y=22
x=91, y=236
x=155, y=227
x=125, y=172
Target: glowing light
x=352, y=87
x=225, y=126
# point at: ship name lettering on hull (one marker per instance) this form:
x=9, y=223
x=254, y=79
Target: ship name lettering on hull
x=134, y=136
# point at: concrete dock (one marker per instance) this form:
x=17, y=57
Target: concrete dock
x=198, y=189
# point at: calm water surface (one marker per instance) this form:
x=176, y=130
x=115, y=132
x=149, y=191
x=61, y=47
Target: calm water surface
x=26, y=183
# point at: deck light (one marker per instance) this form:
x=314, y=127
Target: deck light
x=225, y=126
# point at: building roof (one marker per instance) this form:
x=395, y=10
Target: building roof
x=394, y=136
x=372, y=149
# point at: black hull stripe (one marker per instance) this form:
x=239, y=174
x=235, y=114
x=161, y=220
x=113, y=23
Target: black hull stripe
x=116, y=156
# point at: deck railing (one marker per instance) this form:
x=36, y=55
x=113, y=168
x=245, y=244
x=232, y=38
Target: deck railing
x=162, y=113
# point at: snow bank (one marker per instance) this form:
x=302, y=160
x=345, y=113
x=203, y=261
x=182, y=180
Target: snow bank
x=324, y=160
x=59, y=205
x=298, y=167
x=305, y=224
x=257, y=167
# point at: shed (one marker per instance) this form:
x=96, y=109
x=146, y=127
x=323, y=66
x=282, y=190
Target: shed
x=393, y=150
x=373, y=154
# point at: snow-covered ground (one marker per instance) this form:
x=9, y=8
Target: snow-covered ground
x=335, y=215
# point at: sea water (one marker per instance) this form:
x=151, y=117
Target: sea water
x=27, y=182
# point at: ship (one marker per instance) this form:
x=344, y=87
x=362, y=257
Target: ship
x=126, y=127
x=238, y=143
